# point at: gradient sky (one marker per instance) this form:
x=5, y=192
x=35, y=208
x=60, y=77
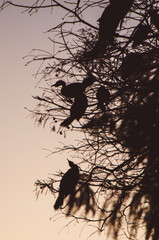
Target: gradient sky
x=23, y=159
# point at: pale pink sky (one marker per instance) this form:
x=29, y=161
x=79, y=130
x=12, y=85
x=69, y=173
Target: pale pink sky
x=22, y=159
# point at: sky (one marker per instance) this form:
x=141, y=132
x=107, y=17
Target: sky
x=23, y=159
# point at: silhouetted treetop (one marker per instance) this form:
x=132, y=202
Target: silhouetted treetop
x=102, y=80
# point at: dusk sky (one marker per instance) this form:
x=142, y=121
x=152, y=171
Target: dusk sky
x=23, y=159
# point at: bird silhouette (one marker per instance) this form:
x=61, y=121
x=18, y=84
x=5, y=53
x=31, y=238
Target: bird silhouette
x=103, y=97
x=89, y=80
x=74, y=89
x=140, y=34
x=112, y=15
x=71, y=90
x=154, y=18
x=67, y=184
x=110, y=19
x=77, y=109
x=131, y=64
x=107, y=25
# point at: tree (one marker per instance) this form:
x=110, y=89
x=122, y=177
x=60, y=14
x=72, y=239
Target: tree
x=119, y=154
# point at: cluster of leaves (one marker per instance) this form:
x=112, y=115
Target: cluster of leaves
x=119, y=154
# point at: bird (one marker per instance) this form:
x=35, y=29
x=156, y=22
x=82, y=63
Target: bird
x=74, y=89
x=107, y=25
x=131, y=64
x=67, y=184
x=122, y=7
x=140, y=34
x=89, y=80
x=103, y=96
x=77, y=110
x=154, y=18
x=112, y=15
x=70, y=90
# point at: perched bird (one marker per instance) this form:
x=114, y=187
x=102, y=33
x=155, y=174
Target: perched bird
x=67, y=184
x=140, y=34
x=107, y=25
x=123, y=7
x=154, y=18
x=132, y=64
x=89, y=80
x=77, y=110
x=70, y=90
x=111, y=17
x=103, y=97
x=113, y=14
x=74, y=89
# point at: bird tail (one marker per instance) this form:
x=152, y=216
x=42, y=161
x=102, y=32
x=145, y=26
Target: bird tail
x=67, y=122
x=59, y=202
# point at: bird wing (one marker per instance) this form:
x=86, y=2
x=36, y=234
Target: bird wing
x=79, y=106
x=69, y=181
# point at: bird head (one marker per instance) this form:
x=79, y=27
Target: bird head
x=87, y=81
x=71, y=164
x=59, y=83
